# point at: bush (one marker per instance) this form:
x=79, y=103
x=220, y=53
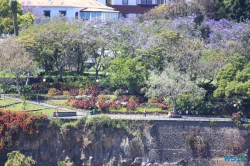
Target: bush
x=101, y=98
x=64, y=163
x=88, y=104
x=103, y=105
x=139, y=99
x=81, y=91
x=152, y=100
x=125, y=98
x=66, y=93
x=131, y=105
x=116, y=105
x=71, y=102
x=119, y=92
x=160, y=99
x=132, y=98
x=73, y=92
x=163, y=106
x=235, y=116
x=52, y=92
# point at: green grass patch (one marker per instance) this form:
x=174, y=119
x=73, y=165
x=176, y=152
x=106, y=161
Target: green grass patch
x=139, y=110
x=28, y=107
x=6, y=101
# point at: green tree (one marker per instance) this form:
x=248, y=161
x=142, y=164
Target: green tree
x=172, y=84
x=125, y=70
x=6, y=20
x=234, y=78
x=236, y=10
x=25, y=20
x=15, y=158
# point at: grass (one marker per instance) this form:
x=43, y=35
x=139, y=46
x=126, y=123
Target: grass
x=30, y=107
x=57, y=102
x=139, y=110
x=6, y=101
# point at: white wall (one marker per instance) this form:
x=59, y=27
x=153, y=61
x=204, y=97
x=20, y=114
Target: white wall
x=130, y=2
x=70, y=12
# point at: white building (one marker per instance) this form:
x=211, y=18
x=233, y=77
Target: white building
x=85, y=9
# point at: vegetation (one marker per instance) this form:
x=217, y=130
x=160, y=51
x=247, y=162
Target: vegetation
x=17, y=158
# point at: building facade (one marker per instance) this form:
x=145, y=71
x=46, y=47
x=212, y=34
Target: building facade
x=134, y=7
x=84, y=9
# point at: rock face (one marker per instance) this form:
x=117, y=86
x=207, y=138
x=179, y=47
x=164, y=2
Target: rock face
x=160, y=143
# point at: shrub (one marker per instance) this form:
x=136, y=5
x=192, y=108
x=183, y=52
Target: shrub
x=196, y=142
x=71, y=102
x=160, y=99
x=52, y=92
x=235, y=116
x=116, y=105
x=73, y=92
x=131, y=105
x=66, y=93
x=119, y=92
x=93, y=91
x=163, y=106
x=152, y=100
x=139, y=99
x=81, y=91
x=64, y=163
x=104, y=106
x=132, y=98
x=101, y=98
x=88, y=104
x=235, y=147
x=125, y=98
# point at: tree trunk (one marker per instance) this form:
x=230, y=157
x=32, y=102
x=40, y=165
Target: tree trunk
x=15, y=22
x=96, y=74
x=60, y=72
x=18, y=86
x=28, y=79
x=174, y=106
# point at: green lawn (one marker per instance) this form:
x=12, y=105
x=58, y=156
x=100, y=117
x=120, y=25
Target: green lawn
x=139, y=110
x=19, y=107
x=48, y=112
x=6, y=101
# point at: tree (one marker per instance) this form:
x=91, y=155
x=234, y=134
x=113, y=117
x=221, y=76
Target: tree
x=18, y=159
x=15, y=58
x=172, y=84
x=125, y=70
x=236, y=10
x=6, y=20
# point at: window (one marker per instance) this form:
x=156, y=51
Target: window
x=62, y=12
x=125, y=2
x=76, y=15
x=46, y=13
x=149, y=2
x=143, y=1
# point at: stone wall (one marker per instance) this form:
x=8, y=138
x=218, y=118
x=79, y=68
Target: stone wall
x=161, y=142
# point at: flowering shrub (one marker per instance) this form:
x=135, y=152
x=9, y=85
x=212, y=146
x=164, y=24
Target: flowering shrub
x=103, y=105
x=11, y=123
x=131, y=105
x=196, y=143
x=163, y=106
x=235, y=146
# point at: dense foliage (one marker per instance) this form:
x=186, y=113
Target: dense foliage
x=14, y=122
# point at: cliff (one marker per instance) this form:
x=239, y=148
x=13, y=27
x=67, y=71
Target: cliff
x=116, y=142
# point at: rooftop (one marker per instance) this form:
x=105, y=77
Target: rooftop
x=64, y=3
